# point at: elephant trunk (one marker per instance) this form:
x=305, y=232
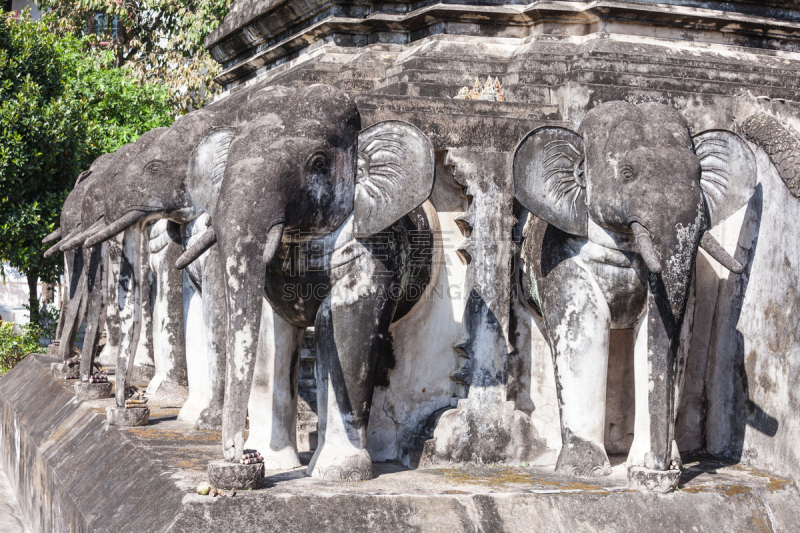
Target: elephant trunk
x=247, y=241
x=669, y=248
x=118, y=226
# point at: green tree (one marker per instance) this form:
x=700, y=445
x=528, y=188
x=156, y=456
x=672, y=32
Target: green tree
x=159, y=40
x=62, y=104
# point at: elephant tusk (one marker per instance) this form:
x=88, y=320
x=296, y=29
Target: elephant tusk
x=52, y=250
x=77, y=239
x=715, y=250
x=273, y=241
x=52, y=237
x=118, y=226
x=646, y=248
x=206, y=241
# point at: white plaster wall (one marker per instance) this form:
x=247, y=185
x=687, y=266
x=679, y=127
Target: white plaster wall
x=753, y=377
x=420, y=382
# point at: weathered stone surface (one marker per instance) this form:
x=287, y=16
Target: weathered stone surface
x=142, y=374
x=61, y=370
x=11, y=517
x=43, y=442
x=262, y=35
x=169, y=349
x=225, y=475
x=659, y=481
x=45, y=434
x=92, y=391
x=123, y=417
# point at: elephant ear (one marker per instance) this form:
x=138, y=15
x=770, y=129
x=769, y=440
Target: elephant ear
x=549, y=178
x=207, y=166
x=728, y=176
x=394, y=176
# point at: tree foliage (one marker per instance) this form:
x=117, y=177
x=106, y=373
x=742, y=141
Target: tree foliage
x=159, y=40
x=62, y=104
x=14, y=347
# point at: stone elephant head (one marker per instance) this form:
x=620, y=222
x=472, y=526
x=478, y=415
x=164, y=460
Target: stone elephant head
x=629, y=198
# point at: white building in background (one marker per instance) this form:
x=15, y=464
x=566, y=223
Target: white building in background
x=14, y=296
x=19, y=5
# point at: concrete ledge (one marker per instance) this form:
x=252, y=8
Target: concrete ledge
x=71, y=471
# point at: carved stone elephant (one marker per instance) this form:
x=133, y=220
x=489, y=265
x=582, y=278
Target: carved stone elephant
x=165, y=182
x=96, y=277
x=304, y=176
x=74, y=308
x=297, y=171
x=621, y=208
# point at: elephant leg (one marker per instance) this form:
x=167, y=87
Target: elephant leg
x=64, y=294
x=641, y=425
x=197, y=361
x=112, y=265
x=129, y=297
x=95, y=315
x=640, y=448
x=215, y=322
x=350, y=329
x=273, y=396
x=75, y=307
x=578, y=330
x=169, y=346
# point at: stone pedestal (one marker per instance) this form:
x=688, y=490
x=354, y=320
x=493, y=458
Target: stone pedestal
x=225, y=475
x=92, y=391
x=120, y=416
x=60, y=370
x=661, y=481
x=52, y=349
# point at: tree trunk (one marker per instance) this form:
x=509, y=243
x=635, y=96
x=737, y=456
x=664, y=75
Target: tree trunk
x=33, y=301
x=121, y=38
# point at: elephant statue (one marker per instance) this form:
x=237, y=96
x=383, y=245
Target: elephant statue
x=161, y=183
x=621, y=208
x=74, y=308
x=89, y=269
x=291, y=182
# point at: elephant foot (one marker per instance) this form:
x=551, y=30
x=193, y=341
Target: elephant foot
x=190, y=412
x=582, y=458
x=659, y=481
x=209, y=420
x=341, y=464
x=284, y=458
